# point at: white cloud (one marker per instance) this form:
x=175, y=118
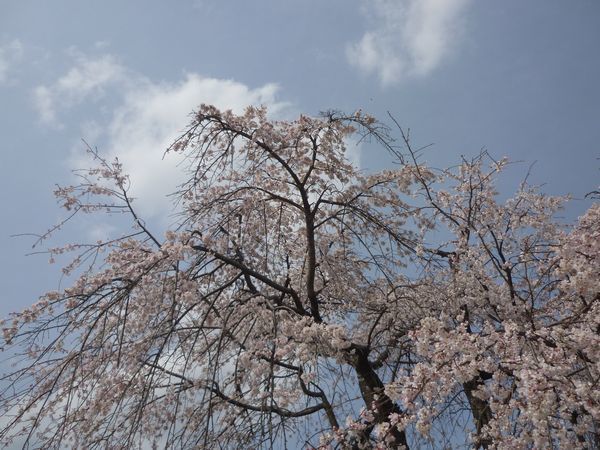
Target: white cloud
x=147, y=118
x=88, y=79
x=100, y=231
x=10, y=54
x=409, y=38
x=44, y=104
x=153, y=115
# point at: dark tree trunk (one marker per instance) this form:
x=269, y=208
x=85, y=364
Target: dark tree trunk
x=372, y=391
x=480, y=410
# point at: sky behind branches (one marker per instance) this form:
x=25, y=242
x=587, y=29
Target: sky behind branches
x=519, y=79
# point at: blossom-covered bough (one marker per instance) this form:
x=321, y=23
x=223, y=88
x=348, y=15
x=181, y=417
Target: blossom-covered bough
x=301, y=303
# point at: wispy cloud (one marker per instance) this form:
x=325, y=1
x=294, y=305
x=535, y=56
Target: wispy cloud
x=141, y=118
x=10, y=54
x=87, y=79
x=407, y=38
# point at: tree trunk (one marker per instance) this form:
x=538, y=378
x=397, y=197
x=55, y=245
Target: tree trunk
x=372, y=391
x=480, y=410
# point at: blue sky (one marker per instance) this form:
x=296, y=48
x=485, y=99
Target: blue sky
x=517, y=78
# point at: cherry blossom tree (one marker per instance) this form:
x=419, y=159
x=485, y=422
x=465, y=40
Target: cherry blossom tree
x=299, y=302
